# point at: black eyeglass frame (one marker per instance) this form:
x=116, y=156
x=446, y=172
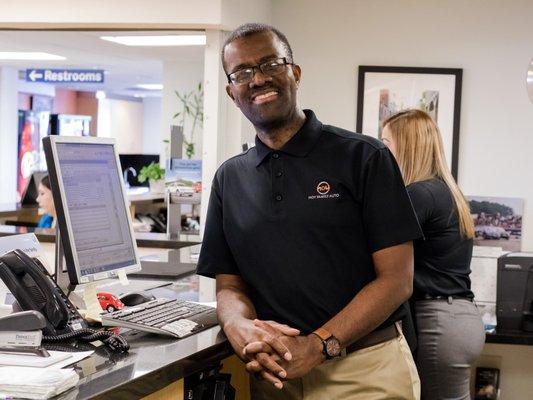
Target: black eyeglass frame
x=259, y=67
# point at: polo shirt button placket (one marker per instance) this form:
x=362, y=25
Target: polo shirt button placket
x=277, y=184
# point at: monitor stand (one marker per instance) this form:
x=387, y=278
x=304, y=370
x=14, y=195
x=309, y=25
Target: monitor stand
x=156, y=270
x=61, y=275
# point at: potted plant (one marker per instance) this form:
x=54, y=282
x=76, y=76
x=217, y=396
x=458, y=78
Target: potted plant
x=191, y=116
x=155, y=176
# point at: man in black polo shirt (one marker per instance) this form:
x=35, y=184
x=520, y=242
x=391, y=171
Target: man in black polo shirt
x=309, y=237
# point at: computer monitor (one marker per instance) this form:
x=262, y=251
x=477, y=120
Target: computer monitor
x=91, y=206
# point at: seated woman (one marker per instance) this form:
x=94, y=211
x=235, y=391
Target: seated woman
x=450, y=330
x=46, y=204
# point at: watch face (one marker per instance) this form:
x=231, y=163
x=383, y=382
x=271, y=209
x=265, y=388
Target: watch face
x=333, y=347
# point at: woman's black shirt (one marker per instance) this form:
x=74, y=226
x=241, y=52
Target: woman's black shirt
x=442, y=258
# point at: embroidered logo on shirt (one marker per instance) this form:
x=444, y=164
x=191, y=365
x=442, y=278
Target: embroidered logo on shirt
x=323, y=190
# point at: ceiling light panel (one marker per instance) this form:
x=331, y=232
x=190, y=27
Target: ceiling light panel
x=150, y=86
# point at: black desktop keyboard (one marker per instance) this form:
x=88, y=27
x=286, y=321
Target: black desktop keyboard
x=175, y=318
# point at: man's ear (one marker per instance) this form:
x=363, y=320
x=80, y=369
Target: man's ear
x=228, y=91
x=297, y=71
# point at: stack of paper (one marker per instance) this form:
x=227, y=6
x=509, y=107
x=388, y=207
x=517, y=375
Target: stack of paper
x=31, y=360
x=35, y=383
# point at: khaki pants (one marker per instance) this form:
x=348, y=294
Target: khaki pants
x=382, y=372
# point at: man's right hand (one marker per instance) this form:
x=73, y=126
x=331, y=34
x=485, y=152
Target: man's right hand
x=236, y=315
x=241, y=332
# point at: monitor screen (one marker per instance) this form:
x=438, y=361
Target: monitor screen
x=92, y=211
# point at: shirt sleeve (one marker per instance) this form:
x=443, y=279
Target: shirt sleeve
x=388, y=215
x=215, y=255
x=45, y=221
x=422, y=202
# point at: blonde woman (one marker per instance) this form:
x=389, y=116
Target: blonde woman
x=450, y=330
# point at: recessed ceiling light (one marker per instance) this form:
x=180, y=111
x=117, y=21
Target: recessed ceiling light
x=150, y=86
x=167, y=40
x=28, y=55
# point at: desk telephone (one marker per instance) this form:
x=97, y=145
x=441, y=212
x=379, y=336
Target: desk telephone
x=34, y=289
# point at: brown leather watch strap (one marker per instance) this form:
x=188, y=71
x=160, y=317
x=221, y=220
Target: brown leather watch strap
x=322, y=334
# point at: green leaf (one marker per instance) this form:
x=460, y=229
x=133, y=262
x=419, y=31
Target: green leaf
x=152, y=172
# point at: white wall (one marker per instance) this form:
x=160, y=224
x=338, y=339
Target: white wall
x=8, y=134
x=134, y=13
x=185, y=12
x=122, y=120
x=237, y=12
x=183, y=77
x=491, y=40
x=152, y=114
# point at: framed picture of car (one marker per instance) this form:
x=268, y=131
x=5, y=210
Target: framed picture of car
x=497, y=221
x=384, y=91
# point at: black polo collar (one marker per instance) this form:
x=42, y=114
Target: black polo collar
x=299, y=145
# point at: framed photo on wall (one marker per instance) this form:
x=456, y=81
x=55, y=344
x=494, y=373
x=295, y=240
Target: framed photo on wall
x=383, y=91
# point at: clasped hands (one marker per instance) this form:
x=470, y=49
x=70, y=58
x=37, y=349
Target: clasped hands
x=275, y=351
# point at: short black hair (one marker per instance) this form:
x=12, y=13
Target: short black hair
x=253, y=28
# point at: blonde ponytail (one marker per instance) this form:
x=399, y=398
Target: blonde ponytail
x=420, y=156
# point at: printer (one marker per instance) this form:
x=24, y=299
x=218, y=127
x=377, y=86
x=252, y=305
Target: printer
x=514, y=293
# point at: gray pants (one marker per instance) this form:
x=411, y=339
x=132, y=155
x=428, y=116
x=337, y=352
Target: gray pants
x=450, y=338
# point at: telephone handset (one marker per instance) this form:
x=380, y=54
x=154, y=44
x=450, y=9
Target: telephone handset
x=34, y=289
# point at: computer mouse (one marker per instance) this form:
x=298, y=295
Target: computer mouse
x=135, y=298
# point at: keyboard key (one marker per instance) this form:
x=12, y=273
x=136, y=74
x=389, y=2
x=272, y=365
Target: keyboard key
x=180, y=328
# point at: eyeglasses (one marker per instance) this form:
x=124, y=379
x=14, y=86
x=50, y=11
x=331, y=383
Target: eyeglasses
x=269, y=68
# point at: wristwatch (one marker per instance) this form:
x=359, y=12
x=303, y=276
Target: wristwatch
x=331, y=345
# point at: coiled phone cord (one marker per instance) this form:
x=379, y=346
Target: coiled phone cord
x=114, y=342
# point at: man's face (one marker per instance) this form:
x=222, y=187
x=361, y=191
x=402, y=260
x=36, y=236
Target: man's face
x=267, y=101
